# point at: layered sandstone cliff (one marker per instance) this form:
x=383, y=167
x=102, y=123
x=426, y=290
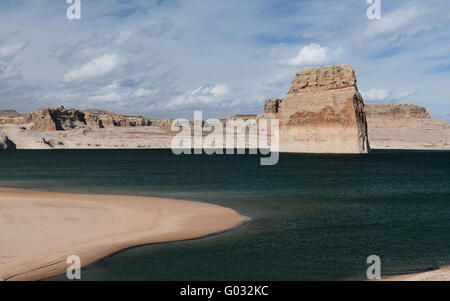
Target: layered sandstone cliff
x=62, y=119
x=396, y=111
x=404, y=126
x=323, y=113
x=61, y=128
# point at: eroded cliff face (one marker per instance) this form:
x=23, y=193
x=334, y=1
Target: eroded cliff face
x=54, y=119
x=61, y=128
x=62, y=119
x=5, y=143
x=323, y=113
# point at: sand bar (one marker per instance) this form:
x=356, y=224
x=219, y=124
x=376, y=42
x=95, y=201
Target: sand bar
x=39, y=230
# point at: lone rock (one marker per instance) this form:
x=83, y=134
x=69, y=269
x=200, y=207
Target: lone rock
x=323, y=113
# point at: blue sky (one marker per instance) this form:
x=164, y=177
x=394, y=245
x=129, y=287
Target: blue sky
x=167, y=58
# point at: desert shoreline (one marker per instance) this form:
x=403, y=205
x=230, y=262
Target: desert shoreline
x=40, y=230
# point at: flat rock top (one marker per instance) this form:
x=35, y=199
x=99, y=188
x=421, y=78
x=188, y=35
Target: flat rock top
x=315, y=79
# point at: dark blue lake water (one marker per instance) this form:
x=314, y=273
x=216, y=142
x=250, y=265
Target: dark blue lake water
x=313, y=217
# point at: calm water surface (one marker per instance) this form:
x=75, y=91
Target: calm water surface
x=313, y=217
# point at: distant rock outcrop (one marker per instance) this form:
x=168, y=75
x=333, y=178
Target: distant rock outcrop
x=396, y=111
x=323, y=113
x=62, y=119
x=9, y=113
x=10, y=117
x=101, y=119
x=5, y=143
x=55, y=119
x=404, y=126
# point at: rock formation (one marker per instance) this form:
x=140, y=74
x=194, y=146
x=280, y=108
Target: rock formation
x=396, y=111
x=10, y=117
x=62, y=119
x=5, y=143
x=9, y=113
x=100, y=119
x=323, y=113
x=403, y=126
x=55, y=119
x=61, y=128
x=272, y=106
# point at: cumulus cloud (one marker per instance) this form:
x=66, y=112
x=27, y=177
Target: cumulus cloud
x=385, y=95
x=312, y=54
x=213, y=90
x=141, y=34
x=205, y=95
x=97, y=67
x=9, y=51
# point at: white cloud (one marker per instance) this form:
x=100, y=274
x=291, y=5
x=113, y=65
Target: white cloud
x=109, y=97
x=135, y=32
x=205, y=95
x=96, y=67
x=394, y=21
x=10, y=51
x=385, y=95
x=313, y=54
x=214, y=90
x=145, y=93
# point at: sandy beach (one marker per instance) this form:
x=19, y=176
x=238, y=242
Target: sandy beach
x=443, y=274
x=39, y=230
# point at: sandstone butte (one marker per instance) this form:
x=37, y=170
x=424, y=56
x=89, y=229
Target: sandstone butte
x=323, y=112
